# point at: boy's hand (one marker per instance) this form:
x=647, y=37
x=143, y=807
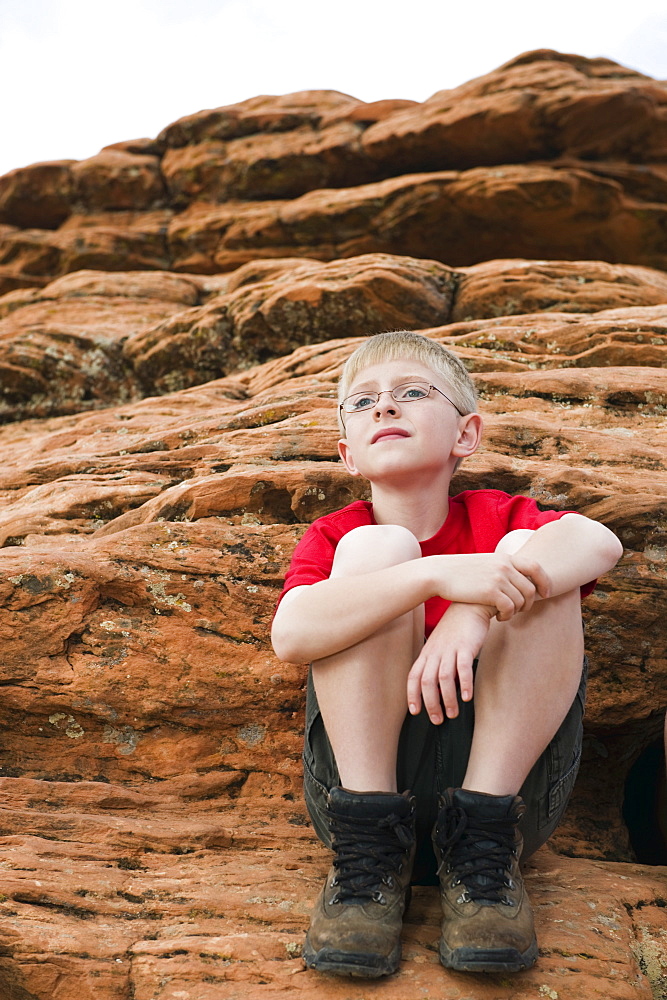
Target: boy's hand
x=447, y=657
x=506, y=583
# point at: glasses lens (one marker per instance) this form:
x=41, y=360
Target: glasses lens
x=360, y=401
x=411, y=390
x=405, y=393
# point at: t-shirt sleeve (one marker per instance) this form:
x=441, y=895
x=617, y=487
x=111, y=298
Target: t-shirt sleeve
x=524, y=512
x=312, y=558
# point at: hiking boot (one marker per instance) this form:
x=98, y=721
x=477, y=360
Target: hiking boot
x=487, y=921
x=355, y=927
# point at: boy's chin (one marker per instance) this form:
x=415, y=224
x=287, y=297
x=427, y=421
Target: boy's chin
x=402, y=474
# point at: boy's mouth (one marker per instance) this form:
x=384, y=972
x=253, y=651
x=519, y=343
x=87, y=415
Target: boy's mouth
x=389, y=432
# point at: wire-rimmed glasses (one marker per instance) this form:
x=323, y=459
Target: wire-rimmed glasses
x=406, y=392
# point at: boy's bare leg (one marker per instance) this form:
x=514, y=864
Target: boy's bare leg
x=361, y=691
x=355, y=927
x=527, y=677
x=528, y=673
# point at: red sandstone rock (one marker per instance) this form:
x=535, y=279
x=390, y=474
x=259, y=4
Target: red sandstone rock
x=142, y=147
x=29, y=256
x=11, y=281
x=564, y=435
x=154, y=840
x=145, y=632
x=278, y=165
x=610, y=337
x=567, y=165
x=39, y=195
x=200, y=946
x=61, y=349
x=94, y=338
x=646, y=182
x=115, y=241
x=505, y=288
x=260, y=114
x=310, y=304
x=538, y=106
x=531, y=211
x=116, y=180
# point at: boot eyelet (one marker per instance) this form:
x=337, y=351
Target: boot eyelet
x=508, y=902
x=454, y=882
x=334, y=899
x=510, y=884
x=334, y=881
x=464, y=897
x=378, y=897
x=388, y=880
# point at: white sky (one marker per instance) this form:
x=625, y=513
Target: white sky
x=76, y=75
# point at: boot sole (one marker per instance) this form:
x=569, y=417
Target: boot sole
x=487, y=959
x=345, y=963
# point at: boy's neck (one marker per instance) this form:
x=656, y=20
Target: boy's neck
x=422, y=512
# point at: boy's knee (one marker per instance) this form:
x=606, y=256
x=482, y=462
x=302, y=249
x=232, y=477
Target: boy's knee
x=514, y=540
x=374, y=546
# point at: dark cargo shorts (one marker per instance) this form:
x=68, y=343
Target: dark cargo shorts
x=432, y=758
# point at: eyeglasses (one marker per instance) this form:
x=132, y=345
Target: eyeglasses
x=407, y=392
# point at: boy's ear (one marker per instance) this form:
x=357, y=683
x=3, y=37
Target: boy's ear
x=470, y=435
x=346, y=456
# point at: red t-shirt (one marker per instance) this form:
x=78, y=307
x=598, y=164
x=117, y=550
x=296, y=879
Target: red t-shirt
x=476, y=522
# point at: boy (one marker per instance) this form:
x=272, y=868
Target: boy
x=494, y=584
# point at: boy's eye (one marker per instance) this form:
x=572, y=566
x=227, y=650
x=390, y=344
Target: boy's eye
x=411, y=390
x=361, y=402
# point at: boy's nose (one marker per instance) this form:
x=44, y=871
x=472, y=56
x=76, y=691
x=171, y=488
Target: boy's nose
x=385, y=404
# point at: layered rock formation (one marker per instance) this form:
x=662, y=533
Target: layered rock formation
x=175, y=315
x=569, y=151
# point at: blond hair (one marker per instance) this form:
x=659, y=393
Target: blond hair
x=401, y=344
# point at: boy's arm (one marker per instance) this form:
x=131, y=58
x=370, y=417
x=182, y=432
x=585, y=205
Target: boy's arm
x=572, y=551
x=316, y=621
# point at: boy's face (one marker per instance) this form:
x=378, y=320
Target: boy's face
x=391, y=440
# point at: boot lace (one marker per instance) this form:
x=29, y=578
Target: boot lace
x=368, y=856
x=478, y=854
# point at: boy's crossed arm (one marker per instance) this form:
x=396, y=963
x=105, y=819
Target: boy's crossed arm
x=570, y=552
x=316, y=621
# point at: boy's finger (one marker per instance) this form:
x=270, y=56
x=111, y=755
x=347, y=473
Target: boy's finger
x=449, y=699
x=414, y=688
x=466, y=680
x=504, y=605
x=446, y=688
x=535, y=573
x=431, y=696
x=448, y=693
x=542, y=582
x=525, y=586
